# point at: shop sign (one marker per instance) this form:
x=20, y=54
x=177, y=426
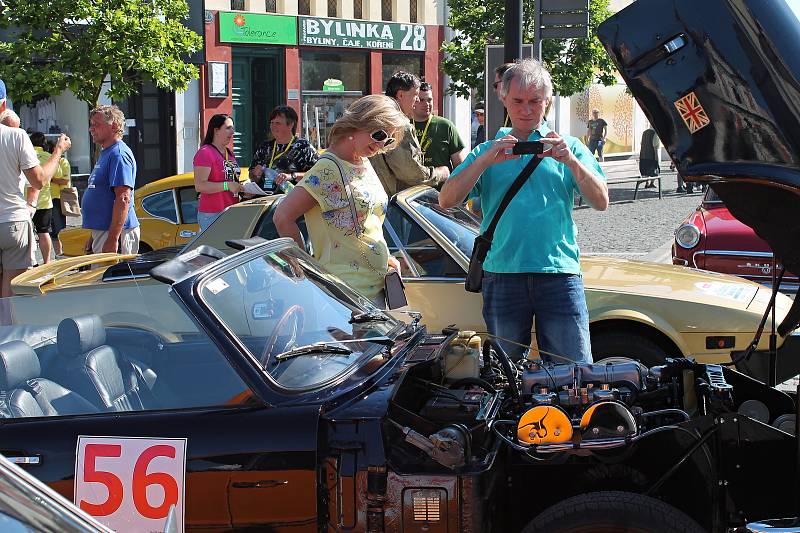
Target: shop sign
x=257, y=29
x=316, y=31
x=333, y=85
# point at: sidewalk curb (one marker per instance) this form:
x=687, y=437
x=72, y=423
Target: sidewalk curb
x=661, y=254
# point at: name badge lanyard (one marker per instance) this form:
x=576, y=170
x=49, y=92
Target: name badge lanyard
x=424, y=134
x=274, y=146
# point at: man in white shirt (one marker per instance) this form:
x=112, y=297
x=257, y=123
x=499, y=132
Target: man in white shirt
x=18, y=161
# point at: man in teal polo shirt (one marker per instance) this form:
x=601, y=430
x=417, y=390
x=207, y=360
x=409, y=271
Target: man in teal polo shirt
x=533, y=267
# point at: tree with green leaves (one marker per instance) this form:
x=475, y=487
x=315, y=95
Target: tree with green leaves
x=75, y=44
x=573, y=63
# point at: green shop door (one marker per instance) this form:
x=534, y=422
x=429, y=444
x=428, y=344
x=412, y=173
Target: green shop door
x=257, y=89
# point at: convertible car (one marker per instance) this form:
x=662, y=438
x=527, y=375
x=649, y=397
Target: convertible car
x=641, y=310
x=711, y=238
x=248, y=388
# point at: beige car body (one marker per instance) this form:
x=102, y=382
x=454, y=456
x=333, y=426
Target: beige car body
x=675, y=307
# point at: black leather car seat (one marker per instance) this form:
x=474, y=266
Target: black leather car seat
x=27, y=394
x=100, y=372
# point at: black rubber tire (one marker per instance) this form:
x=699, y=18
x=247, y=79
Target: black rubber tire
x=612, y=512
x=630, y=345
x=144, y=248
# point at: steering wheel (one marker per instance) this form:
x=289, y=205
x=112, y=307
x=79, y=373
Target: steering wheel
x=283, y=321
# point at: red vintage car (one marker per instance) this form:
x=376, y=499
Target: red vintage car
x=711, y=238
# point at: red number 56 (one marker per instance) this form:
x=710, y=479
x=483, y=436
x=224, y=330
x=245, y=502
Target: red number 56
x=139, y=483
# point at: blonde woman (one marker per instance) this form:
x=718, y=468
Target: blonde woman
x=343, y=200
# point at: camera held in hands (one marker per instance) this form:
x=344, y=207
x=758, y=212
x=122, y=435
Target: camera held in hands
x=528, y=147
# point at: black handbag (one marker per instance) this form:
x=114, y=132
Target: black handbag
x=483, y=242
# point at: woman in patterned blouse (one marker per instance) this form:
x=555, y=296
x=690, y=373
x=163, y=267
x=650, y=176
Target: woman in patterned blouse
x=284, y=157
x=343, y=201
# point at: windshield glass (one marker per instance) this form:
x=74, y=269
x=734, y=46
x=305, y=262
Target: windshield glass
x=457, y=224
x=281, y=303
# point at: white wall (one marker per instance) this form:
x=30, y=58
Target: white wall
x=73, y=117
x=457, y=109
x=187, y=130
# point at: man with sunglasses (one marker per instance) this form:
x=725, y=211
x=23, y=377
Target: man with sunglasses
x=404, y=166
x=533, y=266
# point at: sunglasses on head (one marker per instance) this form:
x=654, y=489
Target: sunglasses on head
x=381, y=136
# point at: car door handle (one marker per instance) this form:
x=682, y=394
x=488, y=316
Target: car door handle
x=263, y=484
x=186, y=233
x=25, y=460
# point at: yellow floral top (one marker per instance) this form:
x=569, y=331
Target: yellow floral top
x=356, y=253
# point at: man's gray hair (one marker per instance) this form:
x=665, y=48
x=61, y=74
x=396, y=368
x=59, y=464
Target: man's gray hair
x=112, y=115
x=8, y=117
x=531, y=74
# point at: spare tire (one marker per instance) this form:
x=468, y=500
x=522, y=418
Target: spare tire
x=612, y=512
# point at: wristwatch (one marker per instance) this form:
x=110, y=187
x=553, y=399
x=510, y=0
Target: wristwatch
x=294, y=177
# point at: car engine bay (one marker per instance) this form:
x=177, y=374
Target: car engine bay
x=467, y=397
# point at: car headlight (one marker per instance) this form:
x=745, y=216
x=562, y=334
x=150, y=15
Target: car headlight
x=687, y=236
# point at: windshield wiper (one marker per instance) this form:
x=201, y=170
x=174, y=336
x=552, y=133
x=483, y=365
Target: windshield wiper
x=370, y=316
x=331, y=347
x=315, y=349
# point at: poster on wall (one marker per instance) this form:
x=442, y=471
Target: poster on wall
x=616, y=107
x=316, y=31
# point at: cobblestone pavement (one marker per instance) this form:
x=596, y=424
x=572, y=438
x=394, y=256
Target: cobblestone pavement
x=634, y=228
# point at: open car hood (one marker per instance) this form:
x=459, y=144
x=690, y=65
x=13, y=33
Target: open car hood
x=718, y=81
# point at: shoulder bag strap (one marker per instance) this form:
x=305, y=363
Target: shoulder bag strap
x=512, y=191
x=346, y=191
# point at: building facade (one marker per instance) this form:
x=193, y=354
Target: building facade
x=316, y=56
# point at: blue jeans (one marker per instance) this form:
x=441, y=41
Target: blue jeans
x=596, y=145
x=558, y=303
x=204, y=220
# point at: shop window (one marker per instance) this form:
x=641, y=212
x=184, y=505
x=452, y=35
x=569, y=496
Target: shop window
x=237, y=5
x=413, y=10
x=386, y=9
x=393, y=62
x=332, y=8
x=323, y=107
x=358, y=9
x=304, y=7
x=271, y=6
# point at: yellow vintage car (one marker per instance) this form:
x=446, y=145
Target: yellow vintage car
x=167, y=212
x=641, y=310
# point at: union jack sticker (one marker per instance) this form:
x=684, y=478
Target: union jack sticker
x=692, y=113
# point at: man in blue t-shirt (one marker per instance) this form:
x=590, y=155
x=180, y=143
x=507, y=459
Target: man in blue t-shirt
x=533, y=267
x=108, y=201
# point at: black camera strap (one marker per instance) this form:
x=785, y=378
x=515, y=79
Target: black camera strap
x=512, y=191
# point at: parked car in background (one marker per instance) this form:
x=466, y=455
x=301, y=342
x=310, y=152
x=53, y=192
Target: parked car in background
x=641, y=310
x=28, y=505
x=167, y=212
x=711, y=238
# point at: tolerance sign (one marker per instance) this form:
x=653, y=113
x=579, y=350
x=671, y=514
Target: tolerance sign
x=692, y=113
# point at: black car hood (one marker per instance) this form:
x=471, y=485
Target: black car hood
x=724, y=98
